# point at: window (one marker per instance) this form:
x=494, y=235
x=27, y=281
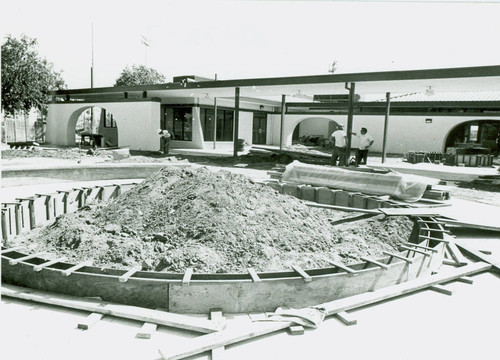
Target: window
x=179, y=121
x=224, y=124
x=109, y=121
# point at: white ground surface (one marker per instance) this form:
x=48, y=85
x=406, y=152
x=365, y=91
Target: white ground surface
x=425, y=325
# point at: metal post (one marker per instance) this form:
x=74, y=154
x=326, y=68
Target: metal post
x=92, y=57
x=282, y=123
x=352, y=93
x=386, y=123
x=236, y=120
x=215, y=122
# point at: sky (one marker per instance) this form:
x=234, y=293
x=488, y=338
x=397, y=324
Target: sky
x=238, y=39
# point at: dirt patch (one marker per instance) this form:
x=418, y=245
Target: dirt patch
x=214, y=222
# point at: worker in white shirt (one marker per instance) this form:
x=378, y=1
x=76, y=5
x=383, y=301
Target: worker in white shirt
x=365, y=142
x=339, y=139
x=165, y=138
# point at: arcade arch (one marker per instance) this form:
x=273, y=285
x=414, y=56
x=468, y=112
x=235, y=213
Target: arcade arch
x=93, y=123
x=314, y=127
x=481, y=132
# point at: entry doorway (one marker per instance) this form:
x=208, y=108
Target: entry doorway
x=259, y=131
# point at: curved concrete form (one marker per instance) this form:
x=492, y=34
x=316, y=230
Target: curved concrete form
x=198, y=293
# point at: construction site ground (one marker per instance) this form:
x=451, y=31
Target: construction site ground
x=425, y=324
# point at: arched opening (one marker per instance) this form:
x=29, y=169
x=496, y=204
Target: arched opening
x=474, y=134
x=94, y=126
x=313, y=131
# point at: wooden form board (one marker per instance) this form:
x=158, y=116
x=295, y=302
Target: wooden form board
x=421, y=211
x=231, y=336
x=123, y=311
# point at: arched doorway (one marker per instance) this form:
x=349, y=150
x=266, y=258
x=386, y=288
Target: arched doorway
x=313, y=131
x=94, y=125
x=474, y=133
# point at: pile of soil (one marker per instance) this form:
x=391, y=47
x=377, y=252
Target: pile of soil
x=214, y=222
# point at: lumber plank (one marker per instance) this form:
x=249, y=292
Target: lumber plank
x=128, y=274
x=441, y=289
x=118, y=310
x=253, y=275
x=432, y=238
x=222, y=338
x=186, y=279
x=414, y=250
x=231, y=336
x=343, y=267
x=147, y=330
x=24, y=258
x=216, y=315
x=486, y=252
x=12, y=249
x=450, y=262
x=420, y=211
x=72, y=269
x=89, y=321
x=346, y=318
x=302, y=273
x=398, y=256
x=455, y=253
x=466, y=280
x=390, y=292
x=37, y=268
x=374, y=262
x=421, y=247
x=471, y=225
x=344, y=208
x=479, y=255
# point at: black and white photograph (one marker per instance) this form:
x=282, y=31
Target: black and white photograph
x=250, y=179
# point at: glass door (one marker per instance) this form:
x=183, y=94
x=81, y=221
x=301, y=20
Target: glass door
x=259, y=131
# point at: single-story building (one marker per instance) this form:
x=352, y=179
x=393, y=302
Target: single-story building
x=420, y=110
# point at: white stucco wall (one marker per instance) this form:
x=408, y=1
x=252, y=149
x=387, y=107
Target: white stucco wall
x=405, y=133
x=246, y=126
x=137, y=123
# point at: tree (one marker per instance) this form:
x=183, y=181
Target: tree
x=26, y=77
x=139, y=75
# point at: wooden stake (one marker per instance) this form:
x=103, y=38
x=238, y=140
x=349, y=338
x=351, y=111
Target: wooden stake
x=296, y=330
x=253, y=275
x=24, y=258
x=302, y=273
x=89, y=321
x=421, y=247
x=441, y=289
x=374, y=262
x=72, y=269
x=187, y=276
x=398, y=256
x=128, y=274
x=37, y=268
x=346, y=318
x=343, y=267
x=147, y=330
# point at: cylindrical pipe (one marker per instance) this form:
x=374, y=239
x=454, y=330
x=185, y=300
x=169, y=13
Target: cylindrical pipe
x=386, y=123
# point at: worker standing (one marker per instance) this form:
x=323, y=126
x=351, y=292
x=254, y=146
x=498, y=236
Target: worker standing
x=365, y=142
x=165, y=138
x=339, y=139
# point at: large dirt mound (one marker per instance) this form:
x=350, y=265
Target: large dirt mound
x=214, y=222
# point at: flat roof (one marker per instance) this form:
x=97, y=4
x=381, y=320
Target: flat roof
x=482, y=78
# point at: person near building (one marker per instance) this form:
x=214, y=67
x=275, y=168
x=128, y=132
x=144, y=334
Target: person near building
x=365, y=142
x=339, y=139
x=165, y=138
